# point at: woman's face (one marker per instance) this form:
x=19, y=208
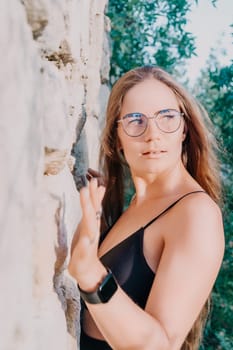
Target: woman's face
x=154, y=151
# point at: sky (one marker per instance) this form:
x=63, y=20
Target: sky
x=211, y=26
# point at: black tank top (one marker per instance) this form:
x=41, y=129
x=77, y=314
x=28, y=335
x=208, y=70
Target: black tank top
x=128, y=264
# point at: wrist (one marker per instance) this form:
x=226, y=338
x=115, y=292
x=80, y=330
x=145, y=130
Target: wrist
x=93, y=278
x=103, y=292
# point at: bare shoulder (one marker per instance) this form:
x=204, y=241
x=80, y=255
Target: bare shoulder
x=197, y=206
x=189, y=264
x=196, y=222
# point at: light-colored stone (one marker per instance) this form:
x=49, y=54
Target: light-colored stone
x=54, y=64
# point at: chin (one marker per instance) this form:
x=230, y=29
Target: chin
x=148, y=170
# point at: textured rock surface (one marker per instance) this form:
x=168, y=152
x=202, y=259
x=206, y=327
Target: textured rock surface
x=54, y=64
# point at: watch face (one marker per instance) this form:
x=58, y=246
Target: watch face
x=107, y=288
x=104, y=291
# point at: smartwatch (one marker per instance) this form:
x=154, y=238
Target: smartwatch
x=103, y=293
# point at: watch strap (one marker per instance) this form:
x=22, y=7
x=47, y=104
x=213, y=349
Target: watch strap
x=104, y=291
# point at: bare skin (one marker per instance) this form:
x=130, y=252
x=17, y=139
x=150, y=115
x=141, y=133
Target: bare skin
x=184, y=247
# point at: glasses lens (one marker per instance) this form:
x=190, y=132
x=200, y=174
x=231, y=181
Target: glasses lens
x=168, y=120
x=134, y=124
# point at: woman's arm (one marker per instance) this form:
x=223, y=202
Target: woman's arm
x=187, y=270
x=193, y=253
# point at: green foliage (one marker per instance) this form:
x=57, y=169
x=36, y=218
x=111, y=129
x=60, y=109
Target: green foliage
x=149, y=32
x=215, y=90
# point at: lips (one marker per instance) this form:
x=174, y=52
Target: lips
x=152, y=152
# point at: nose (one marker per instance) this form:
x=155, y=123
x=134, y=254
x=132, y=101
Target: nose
x=152, y=131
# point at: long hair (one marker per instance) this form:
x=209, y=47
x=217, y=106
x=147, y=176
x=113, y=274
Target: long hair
x=198, y=156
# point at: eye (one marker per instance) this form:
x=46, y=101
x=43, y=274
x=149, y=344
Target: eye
x=168, y=114
x=134, y=118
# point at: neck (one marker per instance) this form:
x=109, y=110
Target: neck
x=154, y=186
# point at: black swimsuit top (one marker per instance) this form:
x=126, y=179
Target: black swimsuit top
x=128, y=264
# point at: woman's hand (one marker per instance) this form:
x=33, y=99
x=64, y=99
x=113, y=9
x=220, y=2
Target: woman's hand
x=84, y=264
x=96, y=174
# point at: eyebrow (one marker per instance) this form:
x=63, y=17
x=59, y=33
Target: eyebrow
x=132, y=113
x=159, y=111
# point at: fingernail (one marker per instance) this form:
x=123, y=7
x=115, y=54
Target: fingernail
x=89, y=176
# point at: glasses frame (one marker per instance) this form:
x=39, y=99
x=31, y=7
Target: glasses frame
x=181, y=114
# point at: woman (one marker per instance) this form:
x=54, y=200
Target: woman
x=147, y=281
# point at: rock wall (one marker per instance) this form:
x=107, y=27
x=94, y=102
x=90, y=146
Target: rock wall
x=53, y=74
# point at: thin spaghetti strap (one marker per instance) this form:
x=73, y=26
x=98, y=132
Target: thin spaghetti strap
x=169, y=207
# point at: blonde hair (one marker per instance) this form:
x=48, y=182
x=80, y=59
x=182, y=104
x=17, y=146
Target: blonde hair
x=198, y=156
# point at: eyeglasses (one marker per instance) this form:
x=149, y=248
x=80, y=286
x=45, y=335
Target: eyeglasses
x=167, y=120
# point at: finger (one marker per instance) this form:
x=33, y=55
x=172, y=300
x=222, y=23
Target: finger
x=88, y=209
x=101, y=192
x=88, y=223
x=88, y=176
x=94, y=194
x=93, y=173
x=97, y=194
x=99, y=198
x=91, y=205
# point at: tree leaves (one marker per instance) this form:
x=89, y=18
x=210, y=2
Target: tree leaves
x=215, y=89
x=149, y=32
